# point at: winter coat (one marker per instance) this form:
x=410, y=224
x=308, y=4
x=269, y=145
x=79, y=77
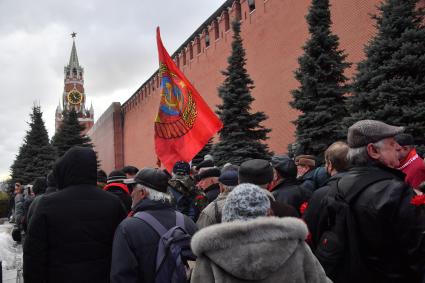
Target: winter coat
x=316, y=213
x=314, y=179
x=70, y=233
x=391, y=239
x=19, y=208
x=212, y=213
x=212, y=192
x=266, y=249
x=121, y=191
x=414, y=168
x=290, y=192
x=136, y=243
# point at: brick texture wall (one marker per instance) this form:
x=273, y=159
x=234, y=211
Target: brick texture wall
x=273, y=35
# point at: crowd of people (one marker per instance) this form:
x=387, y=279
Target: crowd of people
x=360, y=217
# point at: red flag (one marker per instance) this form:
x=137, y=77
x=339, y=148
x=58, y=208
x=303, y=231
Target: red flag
x=184, y=123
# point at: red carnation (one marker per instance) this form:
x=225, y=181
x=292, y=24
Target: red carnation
x=303, y=207
x=418, y=200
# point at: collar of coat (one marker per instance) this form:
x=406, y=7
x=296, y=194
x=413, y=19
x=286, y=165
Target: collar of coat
x=271, y=241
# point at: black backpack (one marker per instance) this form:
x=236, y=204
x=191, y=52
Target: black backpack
x=338, y=249
x=174, y=250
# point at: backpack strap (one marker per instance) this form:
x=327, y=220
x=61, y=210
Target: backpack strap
x=156, y=225
x=149, y=219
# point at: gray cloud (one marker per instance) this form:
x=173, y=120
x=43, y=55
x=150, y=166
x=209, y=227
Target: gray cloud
x=115, y=44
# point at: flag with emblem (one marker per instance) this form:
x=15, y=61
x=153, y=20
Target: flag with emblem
x=185, y=122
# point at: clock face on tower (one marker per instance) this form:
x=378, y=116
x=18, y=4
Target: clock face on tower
x=75, y=97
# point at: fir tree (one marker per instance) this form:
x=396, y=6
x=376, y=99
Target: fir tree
x=320, y=96
x=36, y=155
x=69, y=134
x=204, y=151
x=242, y=135
x=390, y=82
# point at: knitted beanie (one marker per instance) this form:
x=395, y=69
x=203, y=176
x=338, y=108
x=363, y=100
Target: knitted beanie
x=246, y=201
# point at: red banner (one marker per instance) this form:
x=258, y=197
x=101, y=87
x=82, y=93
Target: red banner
x=184, y=123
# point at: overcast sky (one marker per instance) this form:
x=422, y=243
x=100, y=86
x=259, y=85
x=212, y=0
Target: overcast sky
x=115, y=44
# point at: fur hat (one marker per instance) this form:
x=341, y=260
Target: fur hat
x=256, y=171
x=245, y=202
x=209, y=172
x=204, y=164
x=364, y=132
x=285, y=166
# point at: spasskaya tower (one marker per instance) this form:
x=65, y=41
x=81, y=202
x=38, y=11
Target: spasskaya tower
x=74, y=96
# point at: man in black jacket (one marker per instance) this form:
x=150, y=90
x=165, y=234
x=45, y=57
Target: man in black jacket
x=71, y=231
x=336, y=165
x=390, y=233
x=136, y=242
x=286, y=188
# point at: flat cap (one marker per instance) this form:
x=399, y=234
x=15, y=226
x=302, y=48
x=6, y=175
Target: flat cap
x=256, y=171
x=306, y=160
x=364, y=132
x=152, y=178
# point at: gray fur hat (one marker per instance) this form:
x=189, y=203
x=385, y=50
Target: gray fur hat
x=364, y=132
x=246, y=201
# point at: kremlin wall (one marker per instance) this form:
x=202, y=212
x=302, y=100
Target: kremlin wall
x=273, y=33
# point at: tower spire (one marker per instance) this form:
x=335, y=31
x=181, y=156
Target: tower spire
x=73, y=60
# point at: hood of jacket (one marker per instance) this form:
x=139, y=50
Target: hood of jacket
x=77, y=166
x=251, y=250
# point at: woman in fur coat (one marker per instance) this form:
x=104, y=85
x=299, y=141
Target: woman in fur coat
x=248, y=246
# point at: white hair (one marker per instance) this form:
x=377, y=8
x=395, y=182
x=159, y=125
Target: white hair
x=359, y=157
x=154, y=194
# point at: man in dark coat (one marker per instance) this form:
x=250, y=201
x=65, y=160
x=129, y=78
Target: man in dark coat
x=286, y=188
x=336, y=165
x=260, y=172
x=136, y=242
x=71, y=232
x=390, y=236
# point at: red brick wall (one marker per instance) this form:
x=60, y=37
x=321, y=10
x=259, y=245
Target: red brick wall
x=106, y=136
x=273, y=35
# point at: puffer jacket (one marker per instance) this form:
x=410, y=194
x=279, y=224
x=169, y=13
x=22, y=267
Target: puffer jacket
x=70, y=233
x=391, y=237
x=266, y=249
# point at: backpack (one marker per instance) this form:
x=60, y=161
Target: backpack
x=338, y=249
x=173, y=250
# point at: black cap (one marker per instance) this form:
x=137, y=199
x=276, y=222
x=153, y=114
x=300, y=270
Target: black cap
x=181, y=168
x=285, y=166
x=404, y=139
x=229, y=178
x=256, y=171
x=101, y=176
x=152, y=178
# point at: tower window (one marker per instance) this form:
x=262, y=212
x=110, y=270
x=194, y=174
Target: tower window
x=190, y=51
x=74, y=71
x=251, y=5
